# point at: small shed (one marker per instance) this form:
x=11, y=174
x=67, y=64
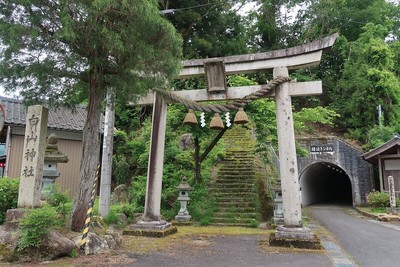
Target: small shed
x=387, y=158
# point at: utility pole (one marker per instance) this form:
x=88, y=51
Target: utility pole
x=379, y=108
x=106, y=161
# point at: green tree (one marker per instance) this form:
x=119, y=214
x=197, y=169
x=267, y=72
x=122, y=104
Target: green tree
x=61, y=52
x=210, y=28
x=368, y=81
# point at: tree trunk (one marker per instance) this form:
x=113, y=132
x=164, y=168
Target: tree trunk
x=197, y=162
x=90, y=154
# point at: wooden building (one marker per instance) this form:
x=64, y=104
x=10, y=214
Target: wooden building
x=387, y=158
x=67, y=124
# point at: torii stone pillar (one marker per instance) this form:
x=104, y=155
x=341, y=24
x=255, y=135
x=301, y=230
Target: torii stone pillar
x=151, y=217
x=287, y=152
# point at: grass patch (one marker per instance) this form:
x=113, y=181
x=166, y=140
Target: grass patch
x=188, y=235
x=373, y=210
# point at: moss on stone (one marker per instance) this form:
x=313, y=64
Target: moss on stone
x=152, y=233
x=314, y=243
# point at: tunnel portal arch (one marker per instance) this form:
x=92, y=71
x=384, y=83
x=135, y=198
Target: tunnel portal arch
x=336, y=153
x=325, y=182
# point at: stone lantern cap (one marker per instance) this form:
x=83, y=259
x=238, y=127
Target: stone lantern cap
x=183, y=186
x=52, y=154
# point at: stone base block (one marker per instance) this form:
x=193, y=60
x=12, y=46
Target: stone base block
x=183, y=218
x=151, y=228
x=293, y=232
x=12, y=218
x=314, y=243
x=150, y=225
x=181, y=223
x=151, y=233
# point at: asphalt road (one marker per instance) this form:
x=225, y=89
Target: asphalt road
x=232, y=251
x=368, y=243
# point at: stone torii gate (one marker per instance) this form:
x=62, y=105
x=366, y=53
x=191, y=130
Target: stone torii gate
x=280, y=61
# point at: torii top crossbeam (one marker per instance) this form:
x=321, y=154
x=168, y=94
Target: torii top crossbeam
x=292, y=58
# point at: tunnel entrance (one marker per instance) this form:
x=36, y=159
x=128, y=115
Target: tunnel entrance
x=324, y=182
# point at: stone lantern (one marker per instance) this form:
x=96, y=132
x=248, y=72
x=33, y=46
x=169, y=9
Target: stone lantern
x=52, y=156
x=278, y=204
x=184, y=188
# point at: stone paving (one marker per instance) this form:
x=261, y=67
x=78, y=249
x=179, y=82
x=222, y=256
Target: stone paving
x=333, y=250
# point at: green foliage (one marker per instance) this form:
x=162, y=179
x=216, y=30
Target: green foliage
x=379, y=135
x=138, y=191
x=35, y=226
x=61, y=203
x=308, y=118
x=254, y=223
x=368, y=81
x=212, y=30
x=378, y=199
x=8, y=195
x=130, y=209
x=75, y=49
x=120, y=170
x=74, y=253
x=111, y=218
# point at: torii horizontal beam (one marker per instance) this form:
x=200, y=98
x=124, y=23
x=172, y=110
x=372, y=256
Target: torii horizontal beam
x=233, y=93
x=293, y=58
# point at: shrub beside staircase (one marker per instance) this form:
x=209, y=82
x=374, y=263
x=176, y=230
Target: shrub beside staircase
x=234, y=187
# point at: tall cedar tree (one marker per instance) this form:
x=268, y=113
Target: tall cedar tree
x=63, y=52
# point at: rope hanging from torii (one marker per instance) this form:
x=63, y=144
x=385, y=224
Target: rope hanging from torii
x=219, y=108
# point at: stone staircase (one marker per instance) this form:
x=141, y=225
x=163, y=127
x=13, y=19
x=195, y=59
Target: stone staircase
x=233, y=189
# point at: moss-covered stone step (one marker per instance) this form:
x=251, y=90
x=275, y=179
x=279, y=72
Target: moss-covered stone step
x=233, y=185
x=234, y=195
x=233, y=179
x=236, y=209
x=250, y=215
x=231, y=224
x=232, y=220
x=248, y=204
x=233, y=173
x=232, y=203
x=232, y=190
x=237, y=167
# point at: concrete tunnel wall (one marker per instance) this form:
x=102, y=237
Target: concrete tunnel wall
x=341, y=156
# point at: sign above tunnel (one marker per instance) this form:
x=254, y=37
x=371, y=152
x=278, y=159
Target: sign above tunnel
x=321, y=149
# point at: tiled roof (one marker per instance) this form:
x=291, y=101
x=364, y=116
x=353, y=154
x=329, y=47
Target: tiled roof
x=61, y=118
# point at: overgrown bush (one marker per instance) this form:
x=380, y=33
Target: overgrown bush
x=8, y=196
x=61, y=203
x=378, y=199
x=111, y=218
x=120, y=170
x=35, y=226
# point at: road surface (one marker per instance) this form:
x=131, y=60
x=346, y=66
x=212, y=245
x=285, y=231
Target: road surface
x=367, y=242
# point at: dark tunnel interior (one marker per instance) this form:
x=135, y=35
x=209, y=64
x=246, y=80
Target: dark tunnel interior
x=325, y=183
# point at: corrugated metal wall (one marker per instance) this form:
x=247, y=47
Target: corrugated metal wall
x=69, y=172
x=15, y=160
